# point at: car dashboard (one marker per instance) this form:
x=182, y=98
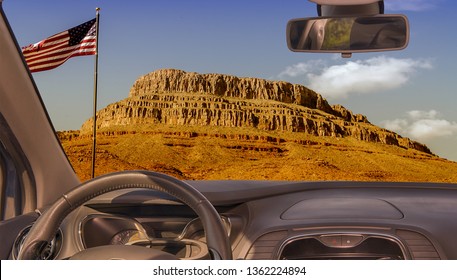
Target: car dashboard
x=274, y=220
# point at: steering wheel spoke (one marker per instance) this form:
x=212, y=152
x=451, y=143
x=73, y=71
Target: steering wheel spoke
x=47, y=224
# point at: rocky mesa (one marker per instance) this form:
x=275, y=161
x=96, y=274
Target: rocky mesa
x=179, y=98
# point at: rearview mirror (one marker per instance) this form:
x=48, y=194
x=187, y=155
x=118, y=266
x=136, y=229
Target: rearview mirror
x=348, y=34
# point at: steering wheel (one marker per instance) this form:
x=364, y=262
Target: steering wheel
x=47, y=224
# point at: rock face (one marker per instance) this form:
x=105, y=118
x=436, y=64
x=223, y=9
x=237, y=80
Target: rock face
x=176, y=97
x=171, y=80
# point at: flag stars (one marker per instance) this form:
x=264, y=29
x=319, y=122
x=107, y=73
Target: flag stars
x=79, y=32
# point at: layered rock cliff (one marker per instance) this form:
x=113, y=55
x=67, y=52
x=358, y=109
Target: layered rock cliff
x=175, y=97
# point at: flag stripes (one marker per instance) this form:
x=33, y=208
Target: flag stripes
x=57, y=49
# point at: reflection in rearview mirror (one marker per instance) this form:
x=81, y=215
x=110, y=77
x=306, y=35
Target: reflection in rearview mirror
x=348, y=34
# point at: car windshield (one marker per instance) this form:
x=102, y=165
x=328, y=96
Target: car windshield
x=209, y=90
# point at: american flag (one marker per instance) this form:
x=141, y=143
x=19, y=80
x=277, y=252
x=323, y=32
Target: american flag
x=55, y=50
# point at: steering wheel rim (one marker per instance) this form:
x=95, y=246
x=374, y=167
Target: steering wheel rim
x=47, y=224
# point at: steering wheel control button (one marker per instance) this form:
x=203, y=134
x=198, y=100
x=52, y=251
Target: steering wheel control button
x=333, y=241
x=349, y=241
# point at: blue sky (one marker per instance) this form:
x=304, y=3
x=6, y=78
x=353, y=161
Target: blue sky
x=412, y=92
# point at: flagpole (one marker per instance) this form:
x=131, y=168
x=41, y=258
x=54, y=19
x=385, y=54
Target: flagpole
x=94, y=134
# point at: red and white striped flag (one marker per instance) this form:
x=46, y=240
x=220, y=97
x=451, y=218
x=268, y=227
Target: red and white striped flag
x=55, y=50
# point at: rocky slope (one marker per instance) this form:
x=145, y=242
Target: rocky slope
x=175, y=97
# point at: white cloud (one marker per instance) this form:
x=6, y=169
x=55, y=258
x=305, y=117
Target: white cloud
x=364, y=76
x=355, y=77
x=410, y=5
x=422, y=125
x=397, y=125
x=301, y=69
x=417, y=114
